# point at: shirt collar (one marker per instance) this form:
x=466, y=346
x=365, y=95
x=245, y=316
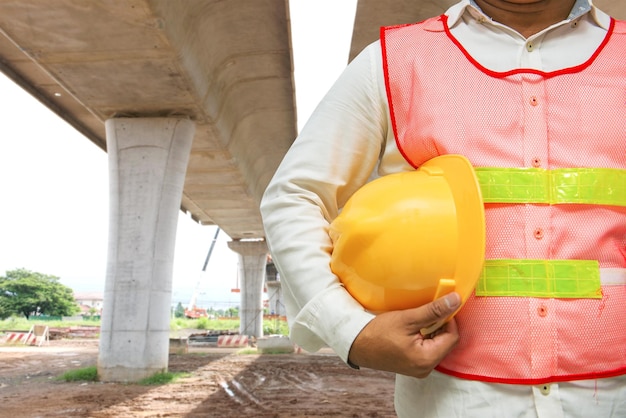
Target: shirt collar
x=581, y=7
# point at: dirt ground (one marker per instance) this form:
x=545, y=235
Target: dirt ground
x=222, y=383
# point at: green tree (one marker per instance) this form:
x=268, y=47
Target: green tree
x=179, y=312
x=24, y=292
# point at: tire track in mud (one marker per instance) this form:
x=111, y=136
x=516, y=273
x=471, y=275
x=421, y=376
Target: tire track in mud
x=259, y=391
x=218, y=384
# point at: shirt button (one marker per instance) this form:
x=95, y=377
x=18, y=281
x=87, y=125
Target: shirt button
x=542, y=311
x=529, y=46
x=536, y=162
x=533, y=101
x=545, y=389
x=538, y=233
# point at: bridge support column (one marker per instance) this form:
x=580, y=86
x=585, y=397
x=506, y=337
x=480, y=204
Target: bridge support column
x=275, y=295
x=274, y=290
x=147, y=163
x=252, y=260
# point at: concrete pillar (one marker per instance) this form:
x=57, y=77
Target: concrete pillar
x=252, y=260
x=275, y=296
x=147, y=163
x=274, y=290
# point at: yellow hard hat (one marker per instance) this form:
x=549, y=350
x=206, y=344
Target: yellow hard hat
x=406, y=239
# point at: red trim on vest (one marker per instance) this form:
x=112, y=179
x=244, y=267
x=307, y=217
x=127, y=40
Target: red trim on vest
x=544, y=74
x=551, y=379
x=383, y=45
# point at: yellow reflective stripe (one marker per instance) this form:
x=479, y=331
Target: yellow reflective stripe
x=541, y=279
x=599, y=186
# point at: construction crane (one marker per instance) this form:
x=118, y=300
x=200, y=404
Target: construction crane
x=192, y=311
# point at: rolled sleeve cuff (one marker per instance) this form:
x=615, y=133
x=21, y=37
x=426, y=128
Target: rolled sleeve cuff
x=332, y=318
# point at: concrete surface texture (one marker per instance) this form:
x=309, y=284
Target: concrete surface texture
x=147, y=160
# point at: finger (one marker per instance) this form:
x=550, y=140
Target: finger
x=428, y=352
x=436, y=311
x=447, y=335
x=449, y=328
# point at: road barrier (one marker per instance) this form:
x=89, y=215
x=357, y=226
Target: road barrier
x=232, y=341
x=41, y=333
x=20, y=338
x=37, y=335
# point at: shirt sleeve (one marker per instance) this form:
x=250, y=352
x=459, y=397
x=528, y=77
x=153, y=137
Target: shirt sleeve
x=334, y=155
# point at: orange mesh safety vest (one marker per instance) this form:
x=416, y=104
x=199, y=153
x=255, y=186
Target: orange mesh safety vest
x=444, y=102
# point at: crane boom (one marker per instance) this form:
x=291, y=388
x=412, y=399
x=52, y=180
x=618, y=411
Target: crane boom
x=192, y=311
x=208, y=256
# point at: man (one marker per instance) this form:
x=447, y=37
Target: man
x=518, y=87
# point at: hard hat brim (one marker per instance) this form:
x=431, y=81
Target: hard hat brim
x=468, y=199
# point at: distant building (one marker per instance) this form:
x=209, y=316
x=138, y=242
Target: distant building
x=88, y=300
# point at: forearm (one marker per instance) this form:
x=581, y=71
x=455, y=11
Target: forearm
x=319, y=308
x=335, y=154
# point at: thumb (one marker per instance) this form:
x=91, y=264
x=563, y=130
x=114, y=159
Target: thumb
x=433, y=314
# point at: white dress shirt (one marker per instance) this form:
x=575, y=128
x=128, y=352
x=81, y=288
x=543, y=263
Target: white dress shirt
x=347, y=142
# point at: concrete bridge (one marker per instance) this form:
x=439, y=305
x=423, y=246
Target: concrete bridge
x=194, y=103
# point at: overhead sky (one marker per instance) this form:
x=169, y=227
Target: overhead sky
x=54, y=182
